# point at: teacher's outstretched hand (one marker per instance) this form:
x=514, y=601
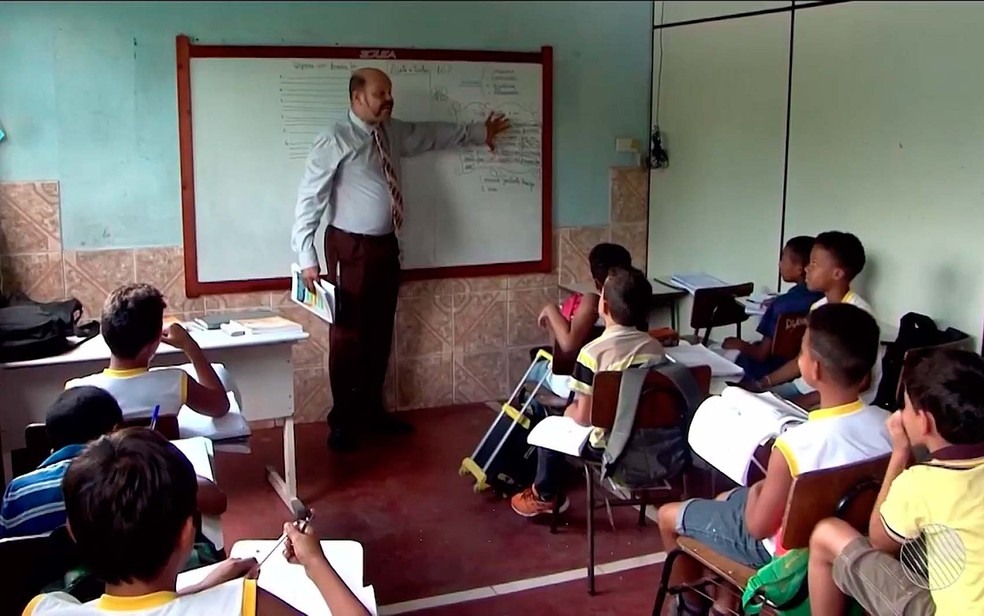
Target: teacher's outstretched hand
x=494, y=124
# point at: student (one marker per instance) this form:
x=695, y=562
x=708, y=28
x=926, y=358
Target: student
x=744, y=524
x=132, y=326
x=944, y=413
x=33, y=504
x=756, y=357
x=139, y=554
x=571, y=324
x=625, y=299
x=835, y=260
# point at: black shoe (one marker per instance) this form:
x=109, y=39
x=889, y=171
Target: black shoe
x=386, y=423
x=342, y=441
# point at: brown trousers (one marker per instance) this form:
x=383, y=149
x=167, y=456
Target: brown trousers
x=365, y=270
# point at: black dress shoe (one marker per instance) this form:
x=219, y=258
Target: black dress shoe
x=342, y=441
x=386, y=423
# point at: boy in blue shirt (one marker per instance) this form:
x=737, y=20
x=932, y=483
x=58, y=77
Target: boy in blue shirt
x=756, y=357
x=33, y=503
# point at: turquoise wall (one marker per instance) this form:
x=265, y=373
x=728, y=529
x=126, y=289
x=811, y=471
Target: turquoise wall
x=87, y=91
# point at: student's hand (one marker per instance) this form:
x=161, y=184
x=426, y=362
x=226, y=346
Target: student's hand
x=228, y=569
x=178, y=337
x=900, y=440
x=310, y=275
x=303, y=548
x=732, y=344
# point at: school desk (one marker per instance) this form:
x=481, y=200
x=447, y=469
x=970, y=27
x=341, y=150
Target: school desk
x=260, y=363
x=664, y=296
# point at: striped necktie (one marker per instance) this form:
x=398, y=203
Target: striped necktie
x=379, y=137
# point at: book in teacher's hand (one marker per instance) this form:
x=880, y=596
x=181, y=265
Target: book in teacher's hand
x=321, y=302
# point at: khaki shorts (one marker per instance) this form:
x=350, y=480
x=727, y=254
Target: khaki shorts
x=877, y=581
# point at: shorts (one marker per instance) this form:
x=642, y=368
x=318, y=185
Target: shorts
x=720, y=525
x=878, y=582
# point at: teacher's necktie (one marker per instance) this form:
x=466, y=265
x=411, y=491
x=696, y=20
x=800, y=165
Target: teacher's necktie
x=382, y=145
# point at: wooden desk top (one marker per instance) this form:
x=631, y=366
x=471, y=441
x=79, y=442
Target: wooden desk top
x=661, y=290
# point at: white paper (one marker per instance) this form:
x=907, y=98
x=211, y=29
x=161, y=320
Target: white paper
x=198, y=450
x=559, y=433
x=289, y=582
x=229, y=426
x=321, y=303
x=692, y=355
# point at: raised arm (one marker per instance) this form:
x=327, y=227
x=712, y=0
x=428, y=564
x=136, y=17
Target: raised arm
x=314, y=198
x=415, y=138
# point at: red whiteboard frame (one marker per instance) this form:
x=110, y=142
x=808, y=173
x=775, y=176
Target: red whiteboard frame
x=186, y=50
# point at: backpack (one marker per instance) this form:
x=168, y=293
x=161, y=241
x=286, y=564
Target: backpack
x=32, y=330
x=641, y=458
x=915, y=331
x=783, y=583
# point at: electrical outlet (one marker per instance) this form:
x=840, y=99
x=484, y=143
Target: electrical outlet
x=625, y=144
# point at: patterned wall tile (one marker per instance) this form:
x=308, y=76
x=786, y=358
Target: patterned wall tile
x=533, y=281
x=430, y=288
x=483, y=284
x=525, y=306
x=30, y=217
x=575, y=245
x=424, y=326
x=480, y=321
x=480, y=377
x=238, y=301
x=389, y=385
x=164, y=268
x=313, y=352
x=93, y=275
x=634, y=237
x=629, y=190
x=40, y=276
x=312, y=395
x=424, y=382
x=517, y=362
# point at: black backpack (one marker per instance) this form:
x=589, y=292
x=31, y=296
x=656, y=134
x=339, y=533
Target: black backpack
x=915, y=331
x=32, y=330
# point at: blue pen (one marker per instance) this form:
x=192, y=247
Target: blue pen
x=153, y=418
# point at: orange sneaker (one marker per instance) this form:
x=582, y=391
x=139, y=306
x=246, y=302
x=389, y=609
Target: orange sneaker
x=528, y=504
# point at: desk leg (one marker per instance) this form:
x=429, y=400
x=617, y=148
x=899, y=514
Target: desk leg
x=286, y=489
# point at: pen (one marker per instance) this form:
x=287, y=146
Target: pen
x=153, y=418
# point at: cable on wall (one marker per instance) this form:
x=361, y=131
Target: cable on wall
x=658, y=156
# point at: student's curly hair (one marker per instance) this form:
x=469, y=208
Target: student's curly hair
x=949, y=385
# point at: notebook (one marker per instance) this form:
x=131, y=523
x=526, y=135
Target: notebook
x=559, y=433
x=232, y=425
x=692, y=355
x=692, y=282
x=727, y=430
x=214, y=321
x=267, y=325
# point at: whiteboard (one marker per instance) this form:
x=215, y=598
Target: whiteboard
x=253, y=121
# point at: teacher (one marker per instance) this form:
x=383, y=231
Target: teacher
x=352, y=176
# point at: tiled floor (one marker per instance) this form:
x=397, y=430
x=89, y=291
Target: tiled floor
x=424, y=530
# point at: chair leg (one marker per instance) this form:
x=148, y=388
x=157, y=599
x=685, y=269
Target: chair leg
x=591, y=546
x=555, y=514
x=642, y=512
x=664, y=581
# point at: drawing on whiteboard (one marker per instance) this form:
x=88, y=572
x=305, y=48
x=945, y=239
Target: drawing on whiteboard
x=515, y=163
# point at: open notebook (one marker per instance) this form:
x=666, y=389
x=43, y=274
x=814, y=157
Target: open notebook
x=230, y=426
x=559, y=433
x=727, y=430
x=289, y=582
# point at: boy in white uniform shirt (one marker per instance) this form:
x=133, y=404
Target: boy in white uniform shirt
x=133, y=327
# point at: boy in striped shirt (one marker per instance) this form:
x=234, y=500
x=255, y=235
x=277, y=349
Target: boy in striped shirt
x=33, y=503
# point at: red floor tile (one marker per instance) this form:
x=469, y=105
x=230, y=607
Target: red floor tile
x=424, y=531
x=628, y=592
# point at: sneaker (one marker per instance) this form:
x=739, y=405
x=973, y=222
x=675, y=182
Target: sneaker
x=529, y=505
